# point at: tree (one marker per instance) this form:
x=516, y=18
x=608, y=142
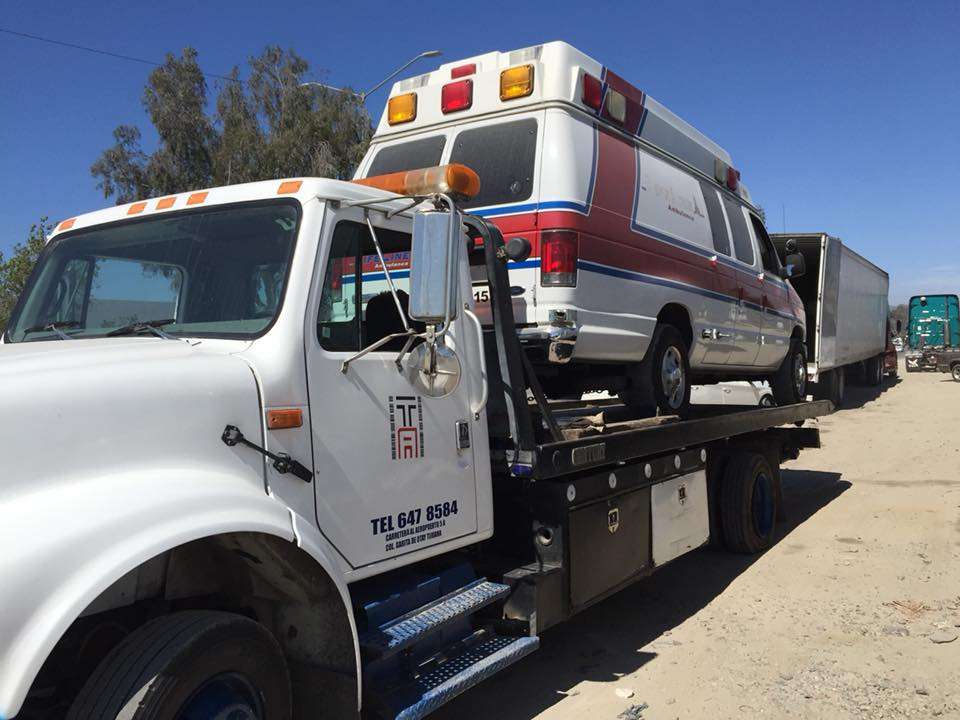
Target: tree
x=270, y=127
x=15, y=271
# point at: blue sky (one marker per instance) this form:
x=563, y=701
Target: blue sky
x=843, y=116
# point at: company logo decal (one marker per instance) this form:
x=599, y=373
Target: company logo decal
x=406, y=427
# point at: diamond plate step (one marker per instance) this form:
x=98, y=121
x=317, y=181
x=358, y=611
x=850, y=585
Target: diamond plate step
x=402, y=632
x=442, y=683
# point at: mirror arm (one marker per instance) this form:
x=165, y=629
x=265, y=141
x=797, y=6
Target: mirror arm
x=386, y=273
x=345, y=365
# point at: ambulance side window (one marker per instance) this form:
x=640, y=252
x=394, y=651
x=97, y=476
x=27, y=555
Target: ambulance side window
x=503, y=156
x=718, y=226
x=412, y=155
x=742, y=242
x=356, y=307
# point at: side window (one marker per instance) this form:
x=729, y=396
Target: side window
x=356, y=306
x=718, y=225
x=742, y=242
x=411, y=155
x=768, y=255
x=503, y=155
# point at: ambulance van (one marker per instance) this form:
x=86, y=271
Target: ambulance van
x=650, y=267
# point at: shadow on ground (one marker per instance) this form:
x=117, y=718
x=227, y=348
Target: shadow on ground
x=856, y=396
x=604, y=642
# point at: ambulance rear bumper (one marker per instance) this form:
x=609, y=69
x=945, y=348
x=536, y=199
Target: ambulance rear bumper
x=560, y=340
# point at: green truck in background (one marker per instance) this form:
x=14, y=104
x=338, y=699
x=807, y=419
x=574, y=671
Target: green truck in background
x=933, y=324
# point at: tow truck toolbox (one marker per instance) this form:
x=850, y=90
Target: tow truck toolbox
x=646, y=248
x=274, y=491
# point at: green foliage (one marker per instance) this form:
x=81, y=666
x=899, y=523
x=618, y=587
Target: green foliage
x=269, y=127
x=15, y=270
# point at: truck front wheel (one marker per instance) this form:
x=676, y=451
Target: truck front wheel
x=191, y=665
x=789, y=383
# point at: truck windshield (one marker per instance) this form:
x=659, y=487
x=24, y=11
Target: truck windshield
x=218, y=272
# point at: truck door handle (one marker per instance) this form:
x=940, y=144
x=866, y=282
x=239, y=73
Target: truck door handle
x=484, y=387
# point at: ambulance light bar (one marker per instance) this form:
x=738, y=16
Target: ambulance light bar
x=454, y=179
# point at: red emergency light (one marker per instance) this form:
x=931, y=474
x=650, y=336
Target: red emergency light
x=463, y=71
x=558, y=258
x=456, y=96
x=592, y=95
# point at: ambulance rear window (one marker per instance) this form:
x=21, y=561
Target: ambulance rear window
x=412, y=155
x=503, y=156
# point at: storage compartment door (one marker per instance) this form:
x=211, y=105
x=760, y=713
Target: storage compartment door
x=680, y=518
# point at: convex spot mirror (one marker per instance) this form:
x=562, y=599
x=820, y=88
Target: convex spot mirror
x=795, y=266
x=434, y=266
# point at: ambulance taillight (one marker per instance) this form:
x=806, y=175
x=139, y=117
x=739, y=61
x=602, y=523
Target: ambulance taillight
x=558, y=258
x=456, y=96
x=592, y=94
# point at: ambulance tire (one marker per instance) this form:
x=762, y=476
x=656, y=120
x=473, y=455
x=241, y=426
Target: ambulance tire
x=789, y=383
x=669, y=367
x=195, y=663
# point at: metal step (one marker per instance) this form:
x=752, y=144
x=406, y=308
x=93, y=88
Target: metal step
x=438, y=683
x=406, y=630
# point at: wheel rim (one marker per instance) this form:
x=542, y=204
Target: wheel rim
x=800, y=375
x=228, y=696
x=672, y=378
x=956, y=373
x=841, y=383
x=761, y=505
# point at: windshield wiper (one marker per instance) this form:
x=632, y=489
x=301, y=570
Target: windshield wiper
x=55, y=327
x=151, y=326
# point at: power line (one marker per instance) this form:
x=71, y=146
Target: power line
x=96, y=51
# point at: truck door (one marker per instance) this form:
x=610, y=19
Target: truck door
x=395, y=471
x=776, y=328
x=749, y=320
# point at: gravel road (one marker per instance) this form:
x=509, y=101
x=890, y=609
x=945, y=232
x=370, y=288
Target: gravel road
x=854, y=613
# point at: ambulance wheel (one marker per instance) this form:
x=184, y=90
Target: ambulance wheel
x=190, y=665
x=789, y=383
x=748, y=503
x=668, y=371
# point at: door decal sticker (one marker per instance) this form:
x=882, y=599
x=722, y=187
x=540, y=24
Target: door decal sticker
x=406, y=427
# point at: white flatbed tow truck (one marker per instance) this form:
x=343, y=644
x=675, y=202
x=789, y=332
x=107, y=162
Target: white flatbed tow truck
x=235, y=486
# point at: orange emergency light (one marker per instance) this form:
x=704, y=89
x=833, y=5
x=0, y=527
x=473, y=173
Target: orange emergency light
x=454, y=179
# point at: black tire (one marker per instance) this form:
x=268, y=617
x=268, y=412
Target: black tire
x=955, y=371
x=166, y=669
x=767, y=401
x=874, y=371
x=749, y=503
x=789, y=383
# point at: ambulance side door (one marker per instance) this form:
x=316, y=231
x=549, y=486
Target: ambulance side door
x=749, y=308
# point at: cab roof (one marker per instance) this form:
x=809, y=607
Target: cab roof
x=301, y=189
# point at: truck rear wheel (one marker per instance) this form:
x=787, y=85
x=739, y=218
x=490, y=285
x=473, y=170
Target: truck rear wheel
x=955, y=372
x=874, y=371
x=748, y=503
x=789, y=383
x=191, y=665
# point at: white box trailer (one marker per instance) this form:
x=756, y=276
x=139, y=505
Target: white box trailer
x=845, y=296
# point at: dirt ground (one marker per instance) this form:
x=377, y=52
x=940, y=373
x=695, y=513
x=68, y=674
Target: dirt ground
x=849, y=615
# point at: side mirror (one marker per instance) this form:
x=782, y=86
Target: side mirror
x=795, y=266
x=435, y=266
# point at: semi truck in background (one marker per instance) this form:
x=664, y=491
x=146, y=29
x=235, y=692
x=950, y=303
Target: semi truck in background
x=845, y=300
x=933, y=325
